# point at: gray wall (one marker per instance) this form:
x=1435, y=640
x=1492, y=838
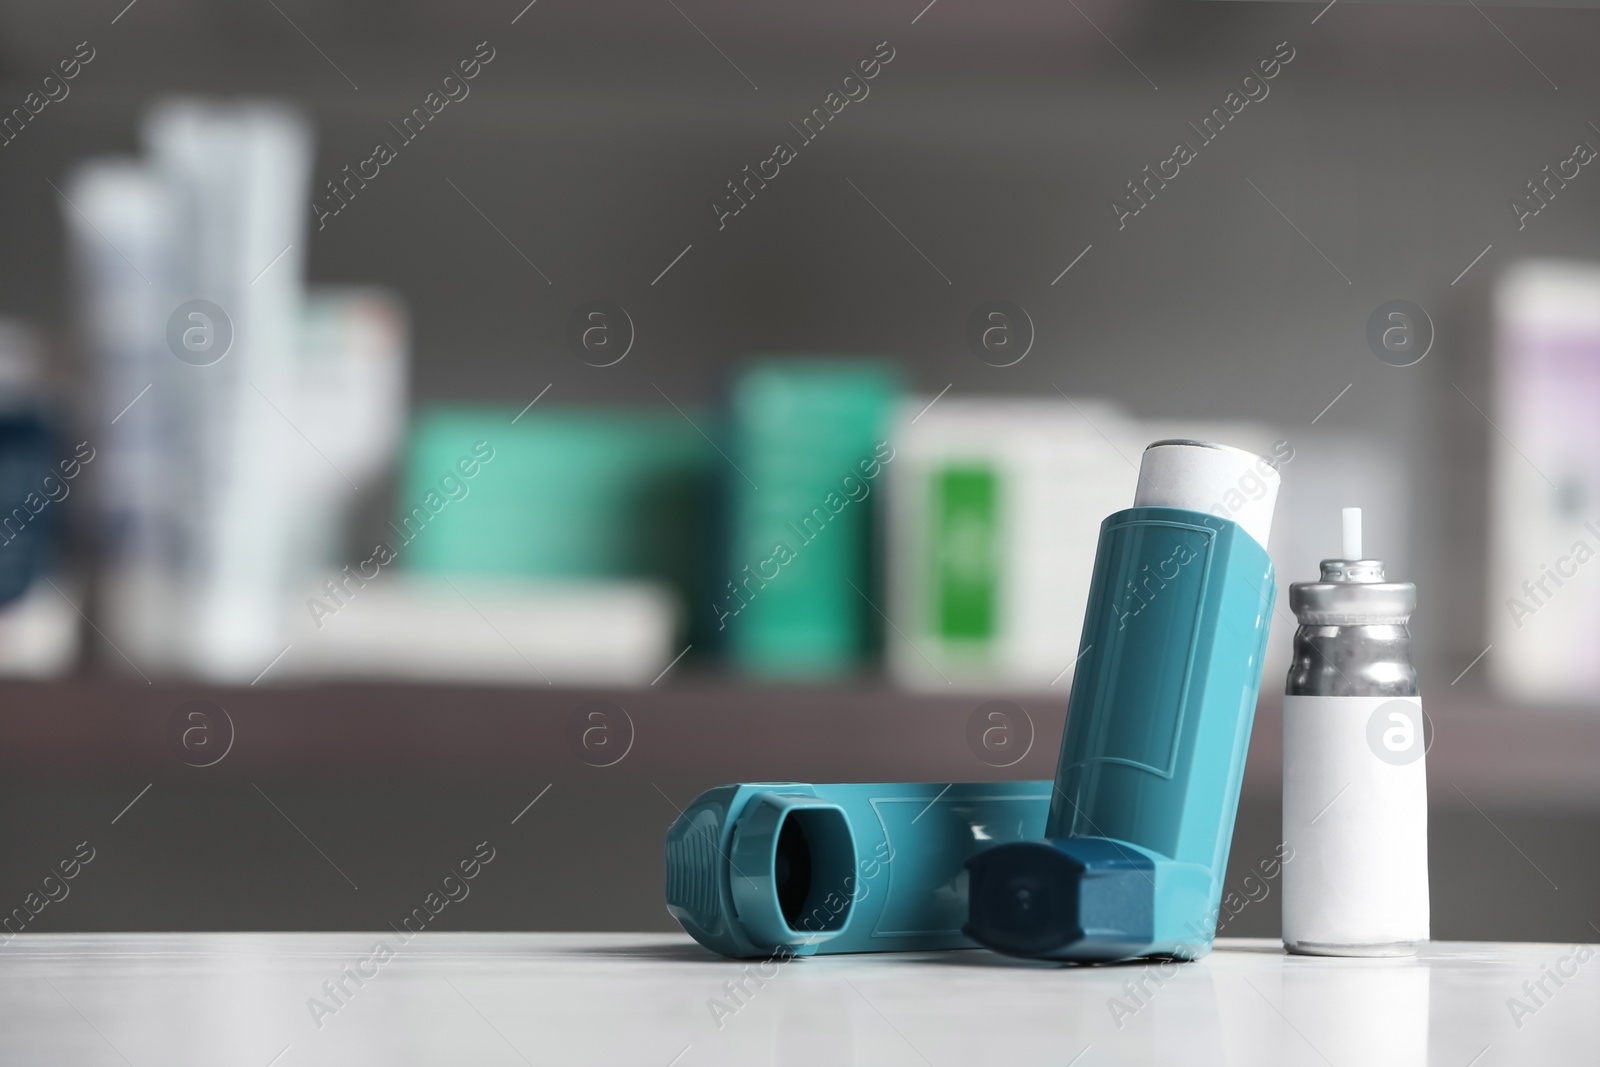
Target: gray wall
x=599, y=135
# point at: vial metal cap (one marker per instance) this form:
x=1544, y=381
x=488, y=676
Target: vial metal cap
x=1353, y=592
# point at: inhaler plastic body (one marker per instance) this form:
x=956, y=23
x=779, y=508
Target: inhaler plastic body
x=788, y=868
x=1153, y=753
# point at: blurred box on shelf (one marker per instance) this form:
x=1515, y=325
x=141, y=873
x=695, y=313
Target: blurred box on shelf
x=1543, y=593
x=554, y=545
x=994, y=512
x=808, y=443
x=349, y=397
x=494, y=631
x=39, y=470
x=560, y=493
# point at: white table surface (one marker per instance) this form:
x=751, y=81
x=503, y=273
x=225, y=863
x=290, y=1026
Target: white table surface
x=240, y=1000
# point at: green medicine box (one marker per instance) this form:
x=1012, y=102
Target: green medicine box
x=809, y=440
x=569, y=493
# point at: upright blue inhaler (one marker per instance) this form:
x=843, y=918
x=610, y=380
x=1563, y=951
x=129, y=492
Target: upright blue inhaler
x=1158, y=723
x=788, y=868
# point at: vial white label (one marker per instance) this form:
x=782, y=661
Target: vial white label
x=1355, y=820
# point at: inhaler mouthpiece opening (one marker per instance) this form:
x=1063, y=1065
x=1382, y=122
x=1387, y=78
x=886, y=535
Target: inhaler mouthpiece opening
x=793, y=870
x=812, y=869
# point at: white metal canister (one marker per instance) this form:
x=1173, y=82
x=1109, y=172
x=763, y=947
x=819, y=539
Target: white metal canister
x=1355, y=803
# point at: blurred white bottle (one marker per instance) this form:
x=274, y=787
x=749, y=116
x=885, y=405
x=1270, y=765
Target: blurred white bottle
x=239, y=180
x=119, y=237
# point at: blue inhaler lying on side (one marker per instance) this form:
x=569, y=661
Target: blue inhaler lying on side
x=759, y=869
x=1158, y=723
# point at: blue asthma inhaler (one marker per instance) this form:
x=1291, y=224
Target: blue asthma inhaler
x=1152, y=757
x=791, y=869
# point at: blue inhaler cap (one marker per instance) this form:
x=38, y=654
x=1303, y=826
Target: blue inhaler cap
x=1083, y=898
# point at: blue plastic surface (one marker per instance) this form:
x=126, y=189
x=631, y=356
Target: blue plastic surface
x=1153, y=752
x=763, y=868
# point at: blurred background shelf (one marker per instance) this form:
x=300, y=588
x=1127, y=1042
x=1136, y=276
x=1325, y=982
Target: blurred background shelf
x=712, y=728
